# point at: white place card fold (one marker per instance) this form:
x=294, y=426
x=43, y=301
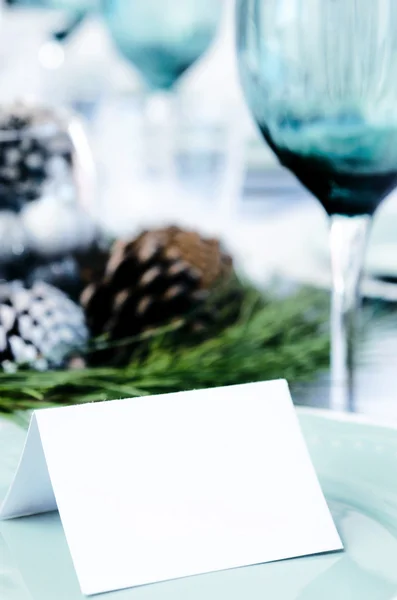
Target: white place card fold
x=160, y=487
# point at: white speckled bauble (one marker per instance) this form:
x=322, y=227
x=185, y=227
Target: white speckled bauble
x=47, y=179
x=40, y=327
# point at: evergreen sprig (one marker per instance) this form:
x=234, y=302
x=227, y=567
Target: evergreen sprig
x=273, y=337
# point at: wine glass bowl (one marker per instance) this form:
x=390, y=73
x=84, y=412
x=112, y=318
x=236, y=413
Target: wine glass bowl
x=319, y=77
x=162, y=39
x=72, y=5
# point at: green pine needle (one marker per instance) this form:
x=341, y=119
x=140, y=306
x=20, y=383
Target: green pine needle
x=274, y=337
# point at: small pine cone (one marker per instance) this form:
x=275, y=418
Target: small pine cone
x=162, y=276
x=39, y=326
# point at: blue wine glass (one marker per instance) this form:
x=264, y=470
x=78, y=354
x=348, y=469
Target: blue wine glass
x=52, y=52
x=72, y=5
x=162, y=38
x=320, y=79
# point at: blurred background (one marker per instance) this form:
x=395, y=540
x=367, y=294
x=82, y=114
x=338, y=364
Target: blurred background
x=123, y=145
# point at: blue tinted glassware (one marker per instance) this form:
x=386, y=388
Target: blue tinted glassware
x=319, y=77
x=72, y=5
x=52, y=53
x=162, y=38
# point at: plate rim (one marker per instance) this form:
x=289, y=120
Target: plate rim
x=345, y=417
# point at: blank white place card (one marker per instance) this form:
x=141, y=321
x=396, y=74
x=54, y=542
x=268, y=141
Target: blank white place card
x=159, y=487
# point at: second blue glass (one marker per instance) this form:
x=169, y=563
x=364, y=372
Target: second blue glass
x=162, y=38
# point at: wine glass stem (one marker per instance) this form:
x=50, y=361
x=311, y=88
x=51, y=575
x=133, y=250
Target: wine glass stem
x=160, y=134
x=348, y=236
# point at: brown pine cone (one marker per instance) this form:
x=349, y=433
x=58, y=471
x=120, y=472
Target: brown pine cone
x=160, y=277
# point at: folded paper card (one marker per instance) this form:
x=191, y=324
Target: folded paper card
x=159, y=487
